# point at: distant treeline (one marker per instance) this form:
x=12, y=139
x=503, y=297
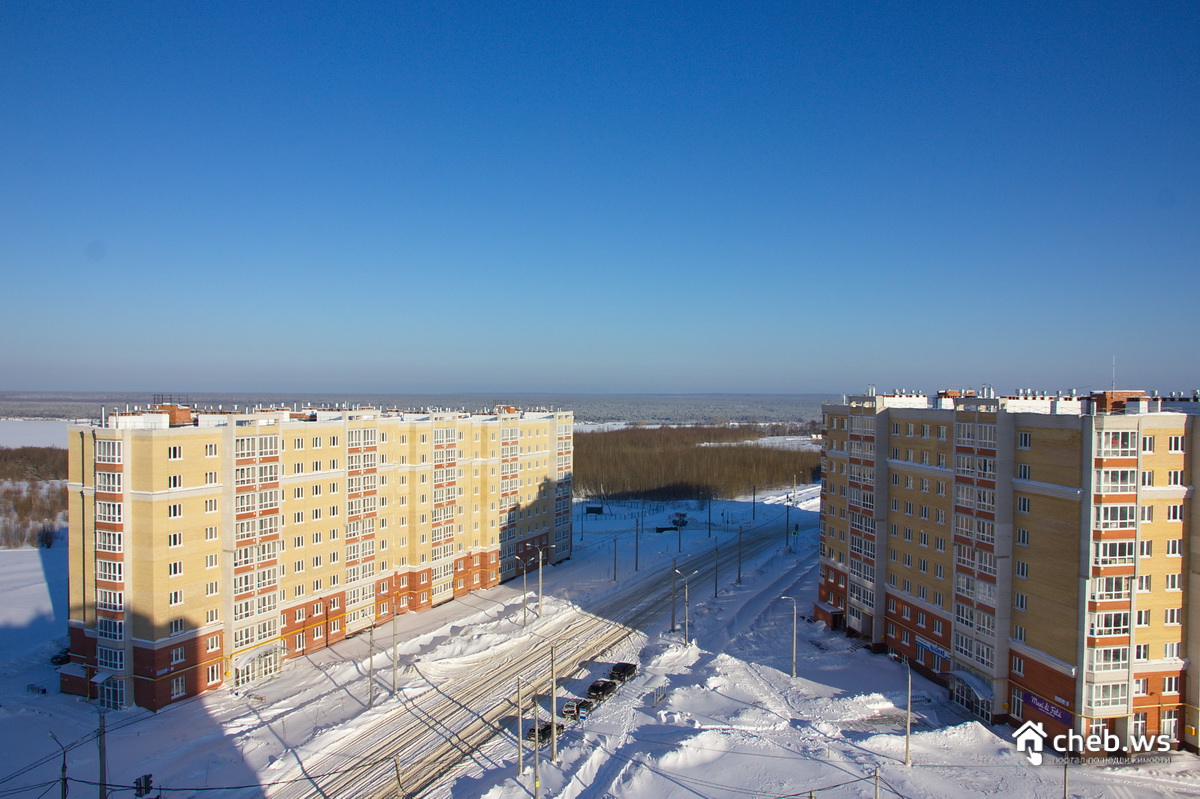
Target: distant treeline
x=669, y=463
x=595, y=408
x=33, y=463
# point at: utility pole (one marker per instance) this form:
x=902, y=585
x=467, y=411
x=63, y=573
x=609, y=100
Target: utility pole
x=739, y=579
x=637, y=539
x=520, y=740
x=103, y=758
x=787, y=524
x=716, y=568
x=371, y=666
x=753, y=502
x=63, y=779
x=553, y=708
x=537, y=752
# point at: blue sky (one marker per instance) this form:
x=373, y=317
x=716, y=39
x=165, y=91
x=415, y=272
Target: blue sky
x=616, y=197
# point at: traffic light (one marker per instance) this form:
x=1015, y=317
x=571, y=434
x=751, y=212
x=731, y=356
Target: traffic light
x=142, y=785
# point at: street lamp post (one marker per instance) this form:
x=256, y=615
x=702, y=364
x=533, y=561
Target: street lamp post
x=524, y=591
x=637, y=541
x=541, y=553
x=674, y=572
x=793, y=633
x=62, y=781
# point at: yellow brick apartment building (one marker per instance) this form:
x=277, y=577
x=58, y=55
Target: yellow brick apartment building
x=1036, y=553
x=207, y=546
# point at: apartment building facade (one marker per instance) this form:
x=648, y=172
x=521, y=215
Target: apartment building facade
x=207, y=546
x=1036, y=554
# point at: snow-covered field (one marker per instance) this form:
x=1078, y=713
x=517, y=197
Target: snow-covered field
x=716, y=715
x=33, y=433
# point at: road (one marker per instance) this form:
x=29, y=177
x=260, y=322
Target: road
x=432, y=736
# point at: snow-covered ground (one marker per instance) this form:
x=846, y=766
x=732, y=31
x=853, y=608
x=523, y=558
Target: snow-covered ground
x=716, y=715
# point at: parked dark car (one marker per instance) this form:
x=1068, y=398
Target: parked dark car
x=577, y=708
x=622, y=672
x=540, y=733
x=61, y=657
x=601, y=690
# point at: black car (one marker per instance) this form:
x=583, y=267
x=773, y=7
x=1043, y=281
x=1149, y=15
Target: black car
x=61, y=657
x=577, y=708
x=601, y=690
x=540, y=733
x=622, y=672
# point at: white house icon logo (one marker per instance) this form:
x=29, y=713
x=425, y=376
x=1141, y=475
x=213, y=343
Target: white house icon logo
x=1030, y=738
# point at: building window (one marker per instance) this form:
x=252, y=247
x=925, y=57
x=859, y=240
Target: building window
x=1020, y=601
x=1022, y=504
x=1172, y=616
x=108, y=451
x=177, y=655
x=1018, y=665
x=1170, y=685
x=1018, y=632
x=1175, y=477
x=214, y=673
x=175, y=539
x=1023, y=471
x=178, y=687
x=174, y=453
x=1175, y=444
x=109, y=658
x=1148, y=444
x=175, y=598
x=1024, y=440
x=1022, y=569
x=174, y=511
x=177, y=625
